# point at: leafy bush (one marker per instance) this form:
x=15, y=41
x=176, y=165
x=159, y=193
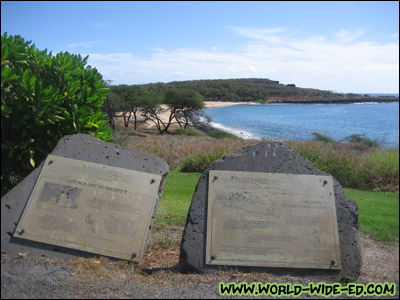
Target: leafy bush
x=323, y=138
x=200, y=161
x=187, y=132
x=220, y=134
x=43, y=98
x=361, y=139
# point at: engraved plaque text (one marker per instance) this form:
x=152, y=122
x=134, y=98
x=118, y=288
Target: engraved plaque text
x=272, y=220
x=90, y=207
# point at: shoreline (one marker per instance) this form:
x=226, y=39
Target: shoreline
x=203, y=122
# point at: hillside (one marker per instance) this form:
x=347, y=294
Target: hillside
x=262, y=90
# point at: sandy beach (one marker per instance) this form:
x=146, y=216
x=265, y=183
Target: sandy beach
x=207, y=104
x=239, y=133
x=211, y=104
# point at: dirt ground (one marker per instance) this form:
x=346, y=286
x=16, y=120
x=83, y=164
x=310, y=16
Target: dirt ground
x=380, y=262
x=24, y=277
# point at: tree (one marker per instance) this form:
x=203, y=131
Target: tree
x=151, y=111
x=128, y=99
x=183, y=103
x=180, y=105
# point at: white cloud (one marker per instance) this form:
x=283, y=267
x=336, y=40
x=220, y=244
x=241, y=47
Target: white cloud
x=337, y=62
x=263, y=34
x=113, y=57
x=394, y=67
x=347, y=36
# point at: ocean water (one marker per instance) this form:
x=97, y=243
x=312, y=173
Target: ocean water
x=378, y=121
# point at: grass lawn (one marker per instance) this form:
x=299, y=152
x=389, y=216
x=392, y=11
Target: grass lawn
x=174, y=205
x=378, y=212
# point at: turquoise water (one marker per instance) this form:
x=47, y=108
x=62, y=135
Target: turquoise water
x=378, y=121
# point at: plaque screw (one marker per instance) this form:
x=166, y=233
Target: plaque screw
x=333, y=263
x=134, y=255
x=152, y=181
x=21, y=232
x=213, y=257
x=50, y=162
x=215, y=178
x=324, y=183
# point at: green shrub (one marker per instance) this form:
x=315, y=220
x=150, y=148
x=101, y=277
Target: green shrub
x=361, y=139
x=198, y=162
x=323, y=138
x=187, y=132
x=43, y=98
x=220, y=134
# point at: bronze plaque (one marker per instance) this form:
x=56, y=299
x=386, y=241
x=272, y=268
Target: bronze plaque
x=272, y=220
x=91, y=207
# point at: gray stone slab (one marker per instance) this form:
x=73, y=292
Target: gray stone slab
x=79, y=147
x=270, y=157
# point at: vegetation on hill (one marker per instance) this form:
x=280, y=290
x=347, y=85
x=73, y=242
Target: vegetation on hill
x=259, y=90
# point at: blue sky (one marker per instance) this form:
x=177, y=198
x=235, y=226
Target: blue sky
x=339, y=46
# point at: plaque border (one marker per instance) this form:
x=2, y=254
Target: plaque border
x=18, y=233
x=209, y=230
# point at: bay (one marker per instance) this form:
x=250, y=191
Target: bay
x=377, y=121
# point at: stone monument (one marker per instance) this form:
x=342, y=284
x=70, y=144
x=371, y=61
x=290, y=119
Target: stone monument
x=266, y=208
x=87, y=198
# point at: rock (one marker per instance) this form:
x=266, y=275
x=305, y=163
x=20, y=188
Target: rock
x=271, y=157
x=81, y=147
